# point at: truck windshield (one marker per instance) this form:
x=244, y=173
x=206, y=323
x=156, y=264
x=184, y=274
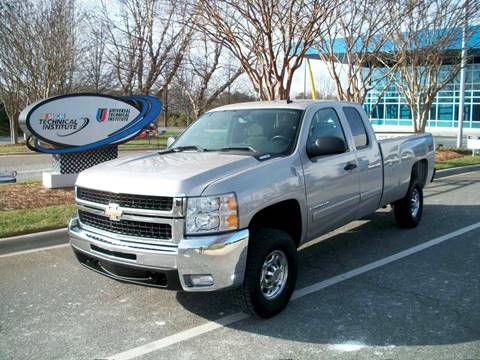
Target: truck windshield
x=263, y=131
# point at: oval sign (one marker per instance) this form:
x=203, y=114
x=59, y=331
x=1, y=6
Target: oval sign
x=79, y=119
x=81, y=122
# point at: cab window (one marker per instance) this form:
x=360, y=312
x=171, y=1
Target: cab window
x=325, y=122
x=357, y=127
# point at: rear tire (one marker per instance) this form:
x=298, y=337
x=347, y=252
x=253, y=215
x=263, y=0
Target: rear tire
x=270, y=275
x=408, y=211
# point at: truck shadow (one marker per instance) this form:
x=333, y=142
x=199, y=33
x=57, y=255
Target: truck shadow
x=425, y=299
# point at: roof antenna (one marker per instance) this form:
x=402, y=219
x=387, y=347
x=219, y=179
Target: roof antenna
x=288, y=100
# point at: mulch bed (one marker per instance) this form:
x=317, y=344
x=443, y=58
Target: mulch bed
x=442, y=155
x=32, y=196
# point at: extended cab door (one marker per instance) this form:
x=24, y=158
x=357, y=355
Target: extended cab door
x=331, y=181
x=369, y=159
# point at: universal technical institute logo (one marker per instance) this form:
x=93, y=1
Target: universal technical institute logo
x=104, y=114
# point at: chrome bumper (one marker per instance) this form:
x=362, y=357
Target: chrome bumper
x=223, y=257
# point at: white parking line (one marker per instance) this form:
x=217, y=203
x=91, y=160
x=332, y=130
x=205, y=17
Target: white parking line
x=23, y=252
x=228, y=320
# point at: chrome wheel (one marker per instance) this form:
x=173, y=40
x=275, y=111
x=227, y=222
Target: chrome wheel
x=415, y=203
x=274, y=274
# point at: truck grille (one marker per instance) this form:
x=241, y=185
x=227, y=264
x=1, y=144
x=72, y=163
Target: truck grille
x=126, y=227
x=126, y=200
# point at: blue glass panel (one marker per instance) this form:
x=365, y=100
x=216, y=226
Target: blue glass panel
x=476, y=113
x=391, y=111
x=391, y=122
x=444, y=99
x=405, y=122
x=445, y=123
x=445, y=112
x=378, y=112
x=405, y=112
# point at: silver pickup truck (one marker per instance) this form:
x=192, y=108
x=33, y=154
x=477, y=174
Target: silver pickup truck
x=228, y=203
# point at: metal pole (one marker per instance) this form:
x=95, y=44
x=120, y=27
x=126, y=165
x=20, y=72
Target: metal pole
x=461, y=105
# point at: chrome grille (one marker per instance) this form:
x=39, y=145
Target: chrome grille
x=126, y=227
x=126, y=200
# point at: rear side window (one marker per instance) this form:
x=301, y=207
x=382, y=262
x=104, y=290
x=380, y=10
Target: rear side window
x=357, y=127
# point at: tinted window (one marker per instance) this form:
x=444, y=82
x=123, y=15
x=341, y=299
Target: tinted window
x=325, y=123
x=356, y=126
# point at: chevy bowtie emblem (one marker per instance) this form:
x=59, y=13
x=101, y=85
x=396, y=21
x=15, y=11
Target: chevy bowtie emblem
x=113, y=212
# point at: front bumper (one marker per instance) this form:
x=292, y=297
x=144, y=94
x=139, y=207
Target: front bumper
x=221, y=257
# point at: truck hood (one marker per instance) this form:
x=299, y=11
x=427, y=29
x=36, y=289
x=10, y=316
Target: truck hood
x=170, y=174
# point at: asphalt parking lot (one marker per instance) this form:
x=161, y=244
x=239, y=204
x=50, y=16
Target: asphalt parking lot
x=363, y=299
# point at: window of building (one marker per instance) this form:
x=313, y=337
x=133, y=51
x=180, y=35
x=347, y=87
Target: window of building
x=391, y=111
x=356, y=126
x=405, y=112
x=445, y=112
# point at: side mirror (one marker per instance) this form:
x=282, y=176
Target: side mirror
x=326, y=145
x=170, y=141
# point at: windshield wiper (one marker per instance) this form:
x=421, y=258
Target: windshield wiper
x=186, y=148
x=239, y=148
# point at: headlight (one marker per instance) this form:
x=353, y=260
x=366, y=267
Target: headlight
x=208, y=214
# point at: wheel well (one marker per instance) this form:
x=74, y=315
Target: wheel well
x=285, y=215
x=420, y=172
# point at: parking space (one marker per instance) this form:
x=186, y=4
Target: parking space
x=425, y=305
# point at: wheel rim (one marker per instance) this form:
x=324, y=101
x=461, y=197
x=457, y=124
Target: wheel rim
x=274, y=274
x=415, y=202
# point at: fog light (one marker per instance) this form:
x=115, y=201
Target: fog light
x=199, y=280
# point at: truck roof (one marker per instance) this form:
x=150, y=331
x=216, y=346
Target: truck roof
x=277, y=104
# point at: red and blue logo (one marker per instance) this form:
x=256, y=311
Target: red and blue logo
x=102, y=114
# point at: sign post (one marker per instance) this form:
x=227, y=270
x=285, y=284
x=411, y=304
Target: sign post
x=473, y=143
x=83, y=130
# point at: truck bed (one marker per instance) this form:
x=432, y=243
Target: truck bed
x=399, y=154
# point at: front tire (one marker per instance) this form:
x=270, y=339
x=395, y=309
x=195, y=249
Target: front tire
x=408, y=211
x=270, y=275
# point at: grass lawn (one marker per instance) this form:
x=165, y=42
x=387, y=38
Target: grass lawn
x=11, y=149
x=25, y=221
x=461, y=161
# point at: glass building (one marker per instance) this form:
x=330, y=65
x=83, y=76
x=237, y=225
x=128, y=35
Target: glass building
x=391, y=112
x=391, y=109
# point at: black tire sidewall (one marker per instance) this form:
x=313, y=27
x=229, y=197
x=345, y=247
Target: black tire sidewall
x=271, y=240
x=403, y=208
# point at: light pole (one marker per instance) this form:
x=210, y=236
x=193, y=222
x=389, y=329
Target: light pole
x=461, y=105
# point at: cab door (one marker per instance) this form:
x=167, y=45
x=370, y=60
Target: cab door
x=370, y=170
x=331, y=181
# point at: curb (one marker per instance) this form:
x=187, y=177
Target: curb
x=455, y=170
x=60, y=236
x=33, y=241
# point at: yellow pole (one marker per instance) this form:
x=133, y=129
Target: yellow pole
x=312, y=83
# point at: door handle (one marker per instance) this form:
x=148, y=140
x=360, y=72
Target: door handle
x=350, y=166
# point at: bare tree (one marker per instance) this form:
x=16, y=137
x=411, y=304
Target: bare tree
x=268, y=37
x=421, y=49
x=146, y=42
x=204, y=77
x=355, y=32
x=37, y=53
x=95, y=72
